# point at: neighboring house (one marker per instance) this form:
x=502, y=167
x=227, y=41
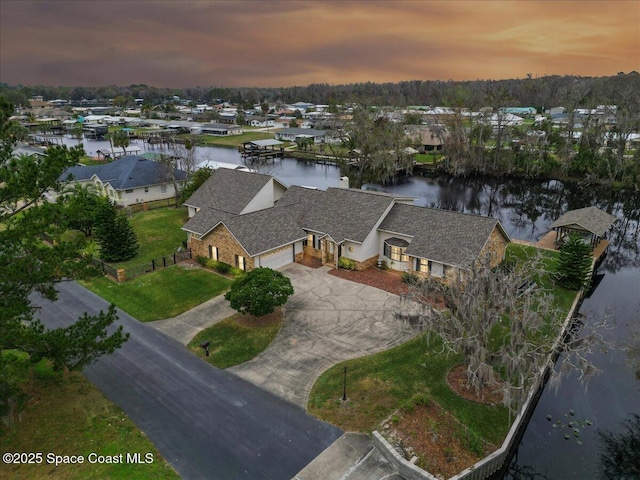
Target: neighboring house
x=261, y=122
x=128, y=180
x=291, y=134
x=220, y=129
x=428, y=140
x=251, y=220
x=503, y=120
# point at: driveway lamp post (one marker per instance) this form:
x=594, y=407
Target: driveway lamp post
x=344, y=391
x=205, y=345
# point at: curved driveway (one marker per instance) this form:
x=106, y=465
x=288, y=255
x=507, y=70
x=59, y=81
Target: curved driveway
x=327, y=320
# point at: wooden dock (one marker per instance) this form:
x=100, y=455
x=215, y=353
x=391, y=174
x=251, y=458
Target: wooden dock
x=261, y=150
x=548, y=242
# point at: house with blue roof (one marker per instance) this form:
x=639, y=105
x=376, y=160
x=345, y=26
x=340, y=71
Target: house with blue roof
x=129, y=180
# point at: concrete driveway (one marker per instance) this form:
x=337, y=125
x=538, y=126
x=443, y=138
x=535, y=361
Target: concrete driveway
x=327, y=320
x=188, y=324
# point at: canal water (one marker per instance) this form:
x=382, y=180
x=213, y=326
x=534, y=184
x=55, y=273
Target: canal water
x=526, y=209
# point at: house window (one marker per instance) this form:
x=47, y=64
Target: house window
x=240, y=262
x=130, y=190
x=213, y=252
x=146, y=189
x=422, y=265
x=394, y=249
x=163, y=189
x=311, y=240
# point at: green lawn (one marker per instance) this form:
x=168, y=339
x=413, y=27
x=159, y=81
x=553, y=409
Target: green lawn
x=564, y=298
x=232, y=140
x=429, y=157
x=232, y=343
x=159, y=234
x=67, y=415
x=379, y=384
x=162, y=294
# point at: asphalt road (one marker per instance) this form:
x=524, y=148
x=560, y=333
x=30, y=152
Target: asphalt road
x=207, y=423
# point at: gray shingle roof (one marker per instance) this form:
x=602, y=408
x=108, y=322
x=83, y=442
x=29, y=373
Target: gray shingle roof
x=228, y=190
x=341, y=213
x=303, y=131
x=444, y=236
x=80, y=172
x=264, y=230
x=591, y=219
x=128, y=172
x=207, y=218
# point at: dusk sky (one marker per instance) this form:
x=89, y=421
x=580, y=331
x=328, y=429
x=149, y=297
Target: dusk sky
x=271, y=43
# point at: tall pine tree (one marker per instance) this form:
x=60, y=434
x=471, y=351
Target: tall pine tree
x=574, y=263
x=118, y=242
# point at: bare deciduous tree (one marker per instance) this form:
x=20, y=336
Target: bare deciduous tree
x=502, y=321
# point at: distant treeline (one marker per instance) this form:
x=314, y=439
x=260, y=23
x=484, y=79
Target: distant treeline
x=541, y=93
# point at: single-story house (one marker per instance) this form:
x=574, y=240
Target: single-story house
x=220, y=129
x=261, y=122
x=429, y=140
x=252, y=220
x=291, y=134
x=128, y=180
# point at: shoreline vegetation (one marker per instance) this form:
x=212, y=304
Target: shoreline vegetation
x=424, y=164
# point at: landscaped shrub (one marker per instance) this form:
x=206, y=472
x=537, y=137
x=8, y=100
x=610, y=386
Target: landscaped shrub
x=383, y=265
x=236, y=272
x=222, y=267
x=346, y=263
x=410, y=278
x=202, y=260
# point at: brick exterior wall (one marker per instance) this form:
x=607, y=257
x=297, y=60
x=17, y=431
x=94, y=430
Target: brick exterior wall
x=228, y=247
x=496, y=246
x=449, y=271
x=313, y=252
x=299, y=256
x=370, y=262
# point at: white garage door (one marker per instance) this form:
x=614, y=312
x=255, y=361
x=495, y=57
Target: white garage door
x=278, y=259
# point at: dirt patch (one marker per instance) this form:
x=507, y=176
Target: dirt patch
x=457, y=380
x=443, y=446
x=374, y=277
x=247, y=320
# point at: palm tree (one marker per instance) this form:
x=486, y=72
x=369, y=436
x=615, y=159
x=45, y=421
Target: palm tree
x=119, y=138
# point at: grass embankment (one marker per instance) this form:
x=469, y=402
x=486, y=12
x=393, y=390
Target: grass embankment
x=563, y=298
x=159, y=234
x=231, y=141
x=380, y=384
x=428, y=158
x=67, y=415
x=161, y=294
x=237, y=339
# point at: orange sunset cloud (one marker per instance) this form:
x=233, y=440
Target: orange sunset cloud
x=284, y=43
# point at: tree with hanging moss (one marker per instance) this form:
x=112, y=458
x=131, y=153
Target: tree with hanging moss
x=574, y=263
x=259, y=292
